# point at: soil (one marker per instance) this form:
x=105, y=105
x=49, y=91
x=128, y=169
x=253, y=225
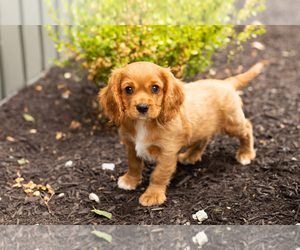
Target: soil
x=264, y=192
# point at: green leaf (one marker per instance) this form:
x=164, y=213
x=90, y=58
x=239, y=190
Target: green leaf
x=218, y=231
x=218, y=210
x=22, y=161
x=101, y=212
x=28, y=118
x=102, y=235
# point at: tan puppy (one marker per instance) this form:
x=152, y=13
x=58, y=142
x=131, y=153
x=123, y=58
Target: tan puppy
x=159, y=115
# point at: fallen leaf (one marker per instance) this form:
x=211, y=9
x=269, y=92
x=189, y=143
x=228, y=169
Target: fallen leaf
x=262, y=142
x=38, y=88
x=22, y=161
x=67, y=75
x=36, y=193
x=285, y=53
x=30, y=185
x=28, y=118
x=101, y=212
x=212, y=72
x=102, y=235
x=218, y=210
x=58, y=135
x=28, y=191
x=9, y=138
x=258, y=45
x=60, y=86
x=41, y=187
x=74, y=124
x=17, y=185
x=65, y=96
x=19, y=179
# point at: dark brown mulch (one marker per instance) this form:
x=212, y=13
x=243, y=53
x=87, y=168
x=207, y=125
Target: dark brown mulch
x=264, y=192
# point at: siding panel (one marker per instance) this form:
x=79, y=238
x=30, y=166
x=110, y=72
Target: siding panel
x=11, y=53
x=10, y=12
x=33, y=52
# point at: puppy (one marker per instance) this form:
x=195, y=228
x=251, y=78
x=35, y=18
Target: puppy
x=159, y=115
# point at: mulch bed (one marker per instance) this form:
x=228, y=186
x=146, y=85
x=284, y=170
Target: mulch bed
x=264, y=192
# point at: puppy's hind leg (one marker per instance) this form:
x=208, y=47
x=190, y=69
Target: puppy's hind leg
x=246, y=153
x=194, y=153
x=243, y=131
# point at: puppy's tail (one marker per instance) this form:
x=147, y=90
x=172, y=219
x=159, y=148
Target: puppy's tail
x=242, y=79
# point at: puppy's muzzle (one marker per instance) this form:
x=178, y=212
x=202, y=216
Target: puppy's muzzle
x=142, y=108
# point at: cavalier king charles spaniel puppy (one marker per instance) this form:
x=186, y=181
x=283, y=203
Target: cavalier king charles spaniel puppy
x=159, y=115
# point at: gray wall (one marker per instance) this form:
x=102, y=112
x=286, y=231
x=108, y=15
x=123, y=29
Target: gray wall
x=25, y=48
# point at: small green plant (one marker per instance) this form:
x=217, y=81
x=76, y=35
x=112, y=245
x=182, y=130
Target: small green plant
x=187, y=49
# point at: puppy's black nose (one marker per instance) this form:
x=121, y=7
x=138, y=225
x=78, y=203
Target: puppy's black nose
x=142, y=108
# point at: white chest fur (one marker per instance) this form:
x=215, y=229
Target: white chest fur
x=140, y=144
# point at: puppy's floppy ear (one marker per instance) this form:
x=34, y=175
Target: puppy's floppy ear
x=173, y=96
x=110, y=98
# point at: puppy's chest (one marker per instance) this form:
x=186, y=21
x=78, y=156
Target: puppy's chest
x=141, y=143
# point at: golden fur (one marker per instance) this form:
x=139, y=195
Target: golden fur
x=180, y=116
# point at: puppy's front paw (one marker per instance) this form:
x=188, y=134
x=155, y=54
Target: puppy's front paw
x=152, y=198
x=245, y=158
x=183, y=159
x=128, y=182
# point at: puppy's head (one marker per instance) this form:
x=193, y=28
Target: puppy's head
x=142, y=90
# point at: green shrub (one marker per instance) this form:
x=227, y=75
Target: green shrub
x=187, y=49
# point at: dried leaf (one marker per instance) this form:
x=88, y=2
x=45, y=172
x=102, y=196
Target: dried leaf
x=28, y=191
x=258, y=45
x=41, y=187
x=28, y=118
x=22, y=161
x=102, y=235
x=38, y=88
x=51, y=191
x=30, y=185
x=9, y=138
x=67, y=75
x=101, y=212
x=36, y=193
x=74, y=124
x=19, y=179
x=58, y=135
x=17, y=185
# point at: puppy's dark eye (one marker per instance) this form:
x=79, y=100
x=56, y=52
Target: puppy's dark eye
x=155, y=89
x=128, y=90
